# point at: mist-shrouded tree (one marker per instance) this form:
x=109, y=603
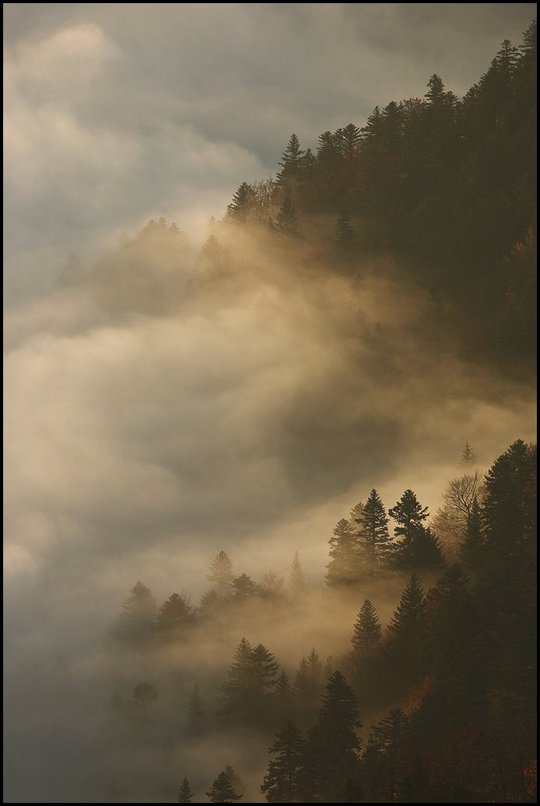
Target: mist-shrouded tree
x=196, y=717
x=373, y=538
x=272, y=586
x=291, y=161
x=137, y=618
x=142, y=697
x=308, y=686
x=239, y=208
x=174, y=616
x=381, y=757
x=410, y=615
x=237, y=703
x=332, y=756
x=224, y=788
x=284, y=696
x=468, y=456
x=450, y=520
x=367, y=633
x=297, y=580
x=265, y=671
x=343, y=568
x=471, y=550
x=244, y=587
x=185, y=795
x=283, y=780
x=287, y=219
x=419, y=547
x=221, y=574
x=409, y=514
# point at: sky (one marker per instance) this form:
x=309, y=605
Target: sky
x=115, y=113
x=149, y=425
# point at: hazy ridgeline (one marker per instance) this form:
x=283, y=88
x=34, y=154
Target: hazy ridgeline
x=168, y=403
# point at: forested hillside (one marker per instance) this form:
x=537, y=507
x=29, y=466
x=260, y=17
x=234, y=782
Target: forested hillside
x=447, y=184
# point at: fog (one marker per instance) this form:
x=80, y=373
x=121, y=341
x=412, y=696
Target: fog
x=161, y=407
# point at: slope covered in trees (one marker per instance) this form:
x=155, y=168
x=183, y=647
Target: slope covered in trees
x=445, y=183
x=435, y=705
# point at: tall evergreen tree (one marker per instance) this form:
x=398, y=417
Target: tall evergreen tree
x=419, y=547
x=373, y=534
x=410, y=615
x=291, y=160
x=367, y=630
x=239, y=208
x=265, y=670
x=343, y=568
x=297, y=580
x=471, y=550
x=287, y=221
x=283, y=779
x=224, y=787
x=221, y=575
x=237, y=704
x=185, y=795
x=332, y=756
x=174, y=616
x=138, y=614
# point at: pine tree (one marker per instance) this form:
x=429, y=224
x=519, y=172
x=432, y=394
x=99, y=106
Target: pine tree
x=367, y=630
x=409, y=514
x=308, y=686
x=244, y=587
x=297, y=581
x=174, y=616
x=468, y=457
x=237, y=704
x=185, y=794
x=221, y=575
x=138, y=614
x=344, y=559
x=333, y=747
x=287, y=222
x=284, y=696
x=348, y=142
x=419, y=547
x=410, y=615
x=196, y=717
x=472, y=548
x=283, y=779
x=239, y=208
x=291, y=160
x=224, y=787
x=265, y=669
x=373, y=534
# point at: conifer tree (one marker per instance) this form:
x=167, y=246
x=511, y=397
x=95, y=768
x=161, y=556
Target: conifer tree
x=239, y=208
x=265, y=669
x=185, y=794
x=283, y=779
x=224, y=787
x=138, y=614
x=291, y=160
x=174, y=616
x=409, y=514
x=367, y=630
x=287, y=222
x=410, y=615
x=221, y=575
x=237, y=705
x=468, y=456
x=243, y=587
x=196, y=716
x=419, y=547
x=343, y=568
x=373, y=534
x=297, y=580
x=332, y=755
x=472, y=548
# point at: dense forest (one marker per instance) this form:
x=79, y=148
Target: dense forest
x=447, y=184
x=433, y=698
x=436, y=705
